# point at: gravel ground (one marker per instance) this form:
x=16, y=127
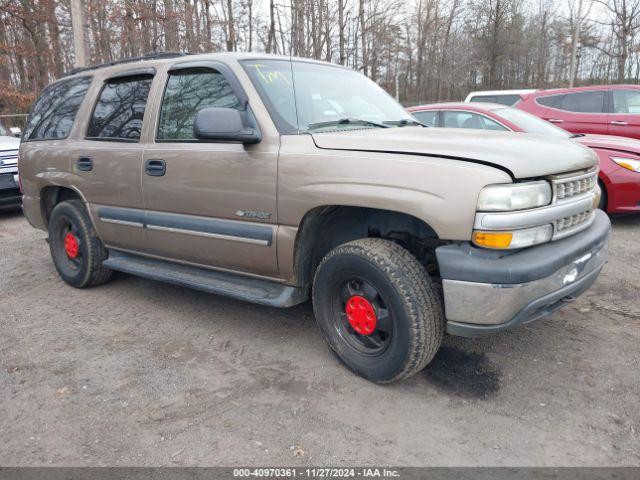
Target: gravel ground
x=138, y=372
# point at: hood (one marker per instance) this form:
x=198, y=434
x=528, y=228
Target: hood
x=611, y=142
x=9, y=143
x=523, y=155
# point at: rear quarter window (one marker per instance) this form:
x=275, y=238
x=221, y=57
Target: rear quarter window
x=549, y=101
x=55, y=111
x=428, y=117
x=583, y=102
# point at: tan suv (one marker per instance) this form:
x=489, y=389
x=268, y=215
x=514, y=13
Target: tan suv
x=276, y=180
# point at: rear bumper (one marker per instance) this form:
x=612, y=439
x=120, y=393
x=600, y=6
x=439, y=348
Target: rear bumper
x=487, y=292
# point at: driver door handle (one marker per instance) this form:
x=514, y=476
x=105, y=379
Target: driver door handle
x=155, y=167
x=555, y=120
x=619, y=122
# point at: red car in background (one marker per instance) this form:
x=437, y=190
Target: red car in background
x=604, y=110
x=619, y=157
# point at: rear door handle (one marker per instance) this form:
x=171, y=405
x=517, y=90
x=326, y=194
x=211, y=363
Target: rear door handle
x=155, y=167
x=555, y=120
x=84, y=164
x=619, y=122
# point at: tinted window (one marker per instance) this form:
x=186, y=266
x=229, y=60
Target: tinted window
x=502, y=99
x=626, y=101
x=508, y=100
x=459, y=119
x=53, y=114
x=428, y=117
x=484, y=98
x=120, y=109
x=187, y=92
x=550, y=101
x=585, y=102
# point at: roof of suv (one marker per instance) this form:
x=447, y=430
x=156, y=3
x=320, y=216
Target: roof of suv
x=155, y=60
x=554, y=91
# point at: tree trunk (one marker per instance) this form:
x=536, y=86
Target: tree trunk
x=363, y=36
x=271, y=38
x=170, y=27
x=231, y=32
x=341, y=39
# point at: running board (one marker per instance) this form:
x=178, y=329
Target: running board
x=231, y=285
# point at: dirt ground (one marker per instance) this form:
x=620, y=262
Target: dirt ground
x=138, y=372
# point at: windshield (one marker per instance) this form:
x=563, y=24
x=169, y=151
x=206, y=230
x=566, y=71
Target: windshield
x=530, y=123
x=304, y=97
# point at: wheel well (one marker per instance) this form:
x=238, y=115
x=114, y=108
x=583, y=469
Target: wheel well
x=52, y=196
x=605, y=197
x=324, y=228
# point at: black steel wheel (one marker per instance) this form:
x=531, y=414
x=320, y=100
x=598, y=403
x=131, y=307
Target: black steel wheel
x=378, y=310
x=76, y=250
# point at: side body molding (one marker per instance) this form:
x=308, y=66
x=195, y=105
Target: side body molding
x=232, y=230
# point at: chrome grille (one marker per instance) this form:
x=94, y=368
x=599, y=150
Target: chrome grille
x=571, y=221
x=566, y=187
x=8, y=157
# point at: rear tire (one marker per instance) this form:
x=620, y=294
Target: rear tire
x=377, y=308
x=76, y=250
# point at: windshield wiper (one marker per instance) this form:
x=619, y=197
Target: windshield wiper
x=404, y=122
x=346, y=121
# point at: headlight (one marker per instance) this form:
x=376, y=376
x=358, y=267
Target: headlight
x=506, y=240
x=514, y=196
x=633, y=165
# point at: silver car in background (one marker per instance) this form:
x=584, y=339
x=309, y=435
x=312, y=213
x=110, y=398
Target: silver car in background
x=10, y=196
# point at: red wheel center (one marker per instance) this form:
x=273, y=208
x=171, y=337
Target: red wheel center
x=361, y=315
x=71, y=245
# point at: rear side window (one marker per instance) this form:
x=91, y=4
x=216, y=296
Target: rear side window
x=428, y=117
x=508, y=100
x=584, y=102
x=461, y=119
x=626, y=101
x=55, y=111
x=550, y=101
x=484, y=98
x=120, y=109
x=187, y=92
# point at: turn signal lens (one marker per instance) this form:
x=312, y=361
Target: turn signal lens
x=513, y=239
x=492, y=239
x=628, y=163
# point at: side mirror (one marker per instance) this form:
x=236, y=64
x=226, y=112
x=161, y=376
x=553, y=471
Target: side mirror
x=223, y=125
x=16, y=132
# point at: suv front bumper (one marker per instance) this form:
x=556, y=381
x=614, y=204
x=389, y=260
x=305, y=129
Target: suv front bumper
x=10, y=196
x=489, y=291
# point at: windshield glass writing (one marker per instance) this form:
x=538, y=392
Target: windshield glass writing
x=306, y=97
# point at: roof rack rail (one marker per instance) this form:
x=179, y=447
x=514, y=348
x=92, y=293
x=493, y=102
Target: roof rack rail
x=147, y=56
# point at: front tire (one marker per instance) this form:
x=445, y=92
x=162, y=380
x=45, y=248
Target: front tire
x=76, y=250
x=378, y=310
